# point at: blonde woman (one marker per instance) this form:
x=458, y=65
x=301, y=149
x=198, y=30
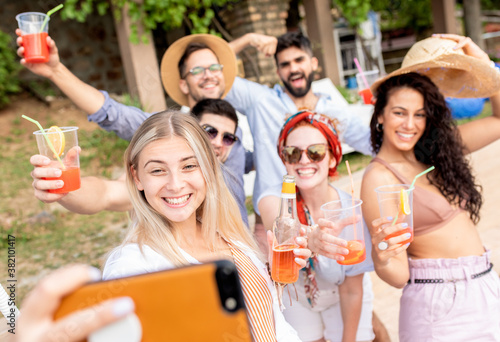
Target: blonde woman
x=185, y=214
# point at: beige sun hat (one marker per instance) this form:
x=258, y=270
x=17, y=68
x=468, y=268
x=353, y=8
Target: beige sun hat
x=169, y=63
x=453, y=72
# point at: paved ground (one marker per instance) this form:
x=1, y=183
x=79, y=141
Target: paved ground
x=486, y=164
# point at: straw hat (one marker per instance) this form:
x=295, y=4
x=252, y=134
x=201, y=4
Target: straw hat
x=453, y=72
x=169, y=63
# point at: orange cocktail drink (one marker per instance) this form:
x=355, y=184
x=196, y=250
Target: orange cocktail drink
x=284, y=269
x=71, y=179
x=396, y=201
x=60, y=145
x=357, y=253
x=346, y=214
x=401, y=232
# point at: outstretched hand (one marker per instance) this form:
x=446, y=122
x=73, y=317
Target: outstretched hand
x=466, y=44
x=41, y=69
x=322, y=239
x=43, y=169
x=36, y=322
x=393, y=245
x=302, y=254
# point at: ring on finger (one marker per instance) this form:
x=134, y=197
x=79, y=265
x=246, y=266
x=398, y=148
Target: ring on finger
x=383, y=245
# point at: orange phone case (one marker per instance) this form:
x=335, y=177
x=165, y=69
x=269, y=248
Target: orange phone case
x=192, y=303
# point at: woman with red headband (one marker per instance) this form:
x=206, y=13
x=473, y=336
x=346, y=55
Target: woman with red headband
x=332, y=304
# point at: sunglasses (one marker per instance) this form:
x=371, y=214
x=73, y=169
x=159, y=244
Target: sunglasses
x=199, y=70
x=227, y=138
x=315, y=153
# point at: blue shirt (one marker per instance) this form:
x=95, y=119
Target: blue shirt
x=266, y=109
x=125, y=120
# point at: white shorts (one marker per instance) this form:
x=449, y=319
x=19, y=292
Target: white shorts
x=313, y=325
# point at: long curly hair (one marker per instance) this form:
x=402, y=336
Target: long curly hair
x=441, y=144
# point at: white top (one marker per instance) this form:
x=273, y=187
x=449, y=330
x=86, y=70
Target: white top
x=128, y=260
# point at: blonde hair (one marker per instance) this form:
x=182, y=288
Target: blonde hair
x=219, y=213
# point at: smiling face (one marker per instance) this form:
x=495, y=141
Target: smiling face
x=223, y=125
x=403, y=120
x=296, y=70
x=207, y=85
x=170, y=176
x=308, y=174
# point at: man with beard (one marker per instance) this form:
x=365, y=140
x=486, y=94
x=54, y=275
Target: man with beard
x=266, y=109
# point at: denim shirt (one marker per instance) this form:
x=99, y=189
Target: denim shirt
x=125, y=120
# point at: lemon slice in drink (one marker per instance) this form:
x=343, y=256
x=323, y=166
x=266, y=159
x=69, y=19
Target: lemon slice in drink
x=404, y=203
x=56, y=137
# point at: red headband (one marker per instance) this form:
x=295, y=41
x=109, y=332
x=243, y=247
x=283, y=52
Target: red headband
x=324, y=124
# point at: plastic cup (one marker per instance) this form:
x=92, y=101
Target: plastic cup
x=69, y=157
x=35, y=45
x=366, y=95
x=371, y=76
x=347, y=214
x=389, y=203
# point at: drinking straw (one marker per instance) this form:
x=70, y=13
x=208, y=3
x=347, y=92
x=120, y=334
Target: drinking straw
x=49, y=13
x=361, y=72
x=46, y=138
x=411, y=187
x=352, y=198
x=421, y=174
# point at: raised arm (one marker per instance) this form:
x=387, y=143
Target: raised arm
x=478, y=133
x=95, y=194
x=86, y=97
x=391, y=265
x=263, y=43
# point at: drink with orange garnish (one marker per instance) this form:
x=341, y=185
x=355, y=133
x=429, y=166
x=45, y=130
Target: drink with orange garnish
x=396, y=201
x=347, y=215
x=60, y=144
x=286, y=228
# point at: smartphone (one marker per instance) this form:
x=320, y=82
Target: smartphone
x=192, y=303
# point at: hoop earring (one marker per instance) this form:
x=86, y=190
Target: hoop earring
x=379, y=127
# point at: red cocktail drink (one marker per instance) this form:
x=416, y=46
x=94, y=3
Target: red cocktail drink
x=367, y=95
x=35, y=48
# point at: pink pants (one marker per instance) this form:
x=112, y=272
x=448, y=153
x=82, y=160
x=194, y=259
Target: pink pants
x=465, y=306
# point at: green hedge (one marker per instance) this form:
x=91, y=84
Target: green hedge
x=9, y=67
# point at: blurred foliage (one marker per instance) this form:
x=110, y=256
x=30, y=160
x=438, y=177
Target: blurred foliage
x=169, y=14
x=9, y=67
x=396, y=14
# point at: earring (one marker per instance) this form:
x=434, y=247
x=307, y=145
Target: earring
x=379, y=127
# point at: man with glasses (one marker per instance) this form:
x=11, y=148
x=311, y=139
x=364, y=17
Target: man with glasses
x=205, y=76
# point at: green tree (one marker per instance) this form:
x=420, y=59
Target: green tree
x=196, y=14
x=9, y=67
